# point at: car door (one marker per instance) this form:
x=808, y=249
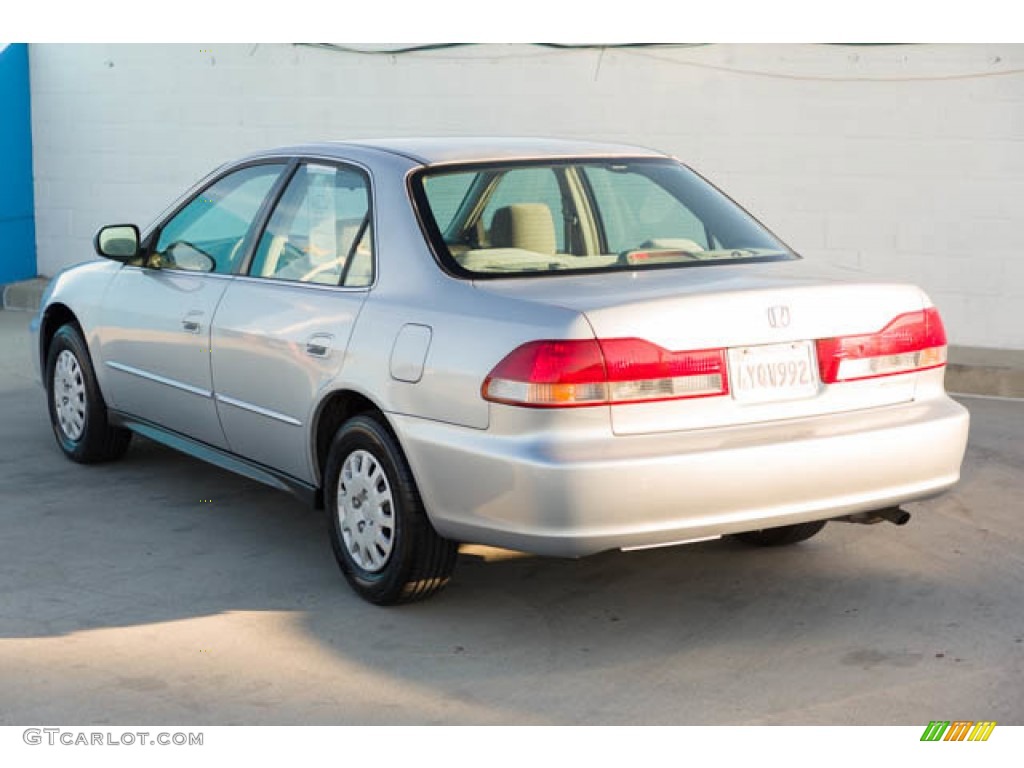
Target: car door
x=281, y=331
x=154, y=335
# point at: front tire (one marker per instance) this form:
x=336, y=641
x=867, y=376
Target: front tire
x=382, y=539
x=781, y=536
x=78, y=413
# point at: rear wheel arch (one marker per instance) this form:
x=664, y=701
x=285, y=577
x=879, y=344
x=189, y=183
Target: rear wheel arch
x=334, y=410
x=381, y=535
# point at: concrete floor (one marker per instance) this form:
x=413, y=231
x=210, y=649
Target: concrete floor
x=127, y=598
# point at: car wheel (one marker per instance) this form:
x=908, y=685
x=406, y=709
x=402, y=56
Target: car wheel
x=778, y=537
x=77, y=411
x=382, y=539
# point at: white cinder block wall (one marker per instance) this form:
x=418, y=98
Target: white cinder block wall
x=904, y=161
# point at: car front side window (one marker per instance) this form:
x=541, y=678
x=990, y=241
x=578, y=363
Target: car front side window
x=321, y=230
x=208, y=234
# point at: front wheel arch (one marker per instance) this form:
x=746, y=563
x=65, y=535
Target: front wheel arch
x=55, y=316
x=83, y=431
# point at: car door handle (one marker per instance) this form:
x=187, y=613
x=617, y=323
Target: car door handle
x=319, y=345
x=192, y=322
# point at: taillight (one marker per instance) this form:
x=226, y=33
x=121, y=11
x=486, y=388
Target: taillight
x=915, y=341
x=558, y=374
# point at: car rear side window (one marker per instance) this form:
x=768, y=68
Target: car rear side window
x=320, y=231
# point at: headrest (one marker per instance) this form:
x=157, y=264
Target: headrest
x=528, y=226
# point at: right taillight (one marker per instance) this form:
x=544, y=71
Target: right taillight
x=579, y=372
x=914, y=341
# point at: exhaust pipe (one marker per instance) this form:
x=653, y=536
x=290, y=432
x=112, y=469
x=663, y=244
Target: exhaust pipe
x=894, y=515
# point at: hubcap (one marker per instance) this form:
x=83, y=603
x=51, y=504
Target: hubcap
x=365, y=511
x=69, y=395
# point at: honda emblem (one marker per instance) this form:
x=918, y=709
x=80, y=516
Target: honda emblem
x=778, y=317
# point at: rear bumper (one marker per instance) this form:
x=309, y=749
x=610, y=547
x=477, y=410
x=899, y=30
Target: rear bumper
x=577, y=494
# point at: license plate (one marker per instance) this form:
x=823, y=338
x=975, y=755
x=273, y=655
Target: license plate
x=773, y=372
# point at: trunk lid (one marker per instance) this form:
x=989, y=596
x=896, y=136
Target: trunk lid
x=766, y=315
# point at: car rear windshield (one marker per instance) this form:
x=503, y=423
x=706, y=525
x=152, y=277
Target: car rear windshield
x=502, y=220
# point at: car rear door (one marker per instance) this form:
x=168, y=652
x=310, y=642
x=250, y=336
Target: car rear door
x=154, y=330
x=281, y=331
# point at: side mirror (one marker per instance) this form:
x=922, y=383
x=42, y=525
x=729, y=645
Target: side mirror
x=119, y=242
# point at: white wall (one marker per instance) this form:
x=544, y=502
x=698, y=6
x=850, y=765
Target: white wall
x=885, y=158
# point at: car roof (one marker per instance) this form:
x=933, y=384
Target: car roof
x=468, y=149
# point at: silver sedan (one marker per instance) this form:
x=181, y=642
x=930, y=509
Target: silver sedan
x=557, y=347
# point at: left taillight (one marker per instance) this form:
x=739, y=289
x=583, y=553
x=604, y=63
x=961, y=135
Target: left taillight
x=581, y=372
x=914, y=341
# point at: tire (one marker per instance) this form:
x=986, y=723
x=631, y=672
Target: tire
x=78, y=414
x=382, y=539
x=779, y=537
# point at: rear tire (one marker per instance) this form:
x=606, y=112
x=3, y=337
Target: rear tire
x=382, y=539
x=782, y=536
x=78, y=413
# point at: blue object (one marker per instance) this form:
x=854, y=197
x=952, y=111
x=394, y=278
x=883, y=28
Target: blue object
x=17, y=213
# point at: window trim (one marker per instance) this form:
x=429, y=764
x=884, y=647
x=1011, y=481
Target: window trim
x=263, y=218
x=447, y=263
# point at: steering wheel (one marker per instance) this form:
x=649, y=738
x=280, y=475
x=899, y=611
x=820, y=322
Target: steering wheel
x=290, y=253
x=203, y=262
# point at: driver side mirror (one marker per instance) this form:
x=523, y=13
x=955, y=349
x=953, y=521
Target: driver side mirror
x=119, y=242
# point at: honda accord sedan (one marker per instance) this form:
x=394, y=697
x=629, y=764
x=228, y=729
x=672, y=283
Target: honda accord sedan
x=551, y=346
